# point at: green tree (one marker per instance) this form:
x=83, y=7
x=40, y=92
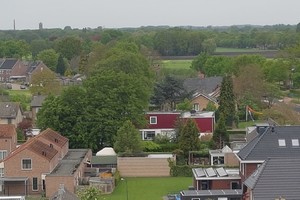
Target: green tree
x=44, y=82
x=69, y=47
x=184, y=106
x=61, y=65
x=220, y=137
x=49, y=58
x=15, y=49
x=227, y=103
x=199, y=62
x=128, y=139
x=189, y=137
x=210, y=106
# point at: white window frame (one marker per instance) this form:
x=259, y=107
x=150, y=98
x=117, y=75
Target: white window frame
x=1, y=172
x=3, y=154
x=30, y=164
x=281, y=143
x=153, y=117
x=295, y=142
x=196, y=106
x=37, y=184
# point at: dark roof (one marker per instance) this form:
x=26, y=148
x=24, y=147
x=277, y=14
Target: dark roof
x=8, y=63
x=266, y=144
x=104, y=160
x=70, y=163
x=37, y=101
x=9, y=109
x=32, y=66
x=7, y=130
x=276, y=177
x=206, y=85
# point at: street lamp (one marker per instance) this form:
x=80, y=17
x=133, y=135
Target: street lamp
x=123, y=179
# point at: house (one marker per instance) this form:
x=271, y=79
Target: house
x=35, y=67
x=11, y=67
x=8, y=140
x=200, y=101
x=105, y=160
x=35, y=105
x=164, y=123
x=10, y=113
x=41, y=165
x=223, y=157
x=276, y=178
x=271, y=142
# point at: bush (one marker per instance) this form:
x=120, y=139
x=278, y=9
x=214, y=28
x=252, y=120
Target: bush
x=150, y=146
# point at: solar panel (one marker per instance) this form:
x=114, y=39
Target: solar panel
x=199, y=172
x=221, y=171
x=210, y=172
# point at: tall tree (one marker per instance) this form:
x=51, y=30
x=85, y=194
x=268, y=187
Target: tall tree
x=49, y=58
x=227, y=102
x=69, y=47
x=61, y=65
x=189, y=137
x=128, y=139
x=220, y=136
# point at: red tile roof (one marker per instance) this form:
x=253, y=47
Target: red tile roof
x=53, y=136
x=42, y=149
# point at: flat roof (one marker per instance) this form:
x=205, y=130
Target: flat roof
x=69, y=164
x=200, y=193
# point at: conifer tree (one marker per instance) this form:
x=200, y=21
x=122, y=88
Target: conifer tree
x=220, y=136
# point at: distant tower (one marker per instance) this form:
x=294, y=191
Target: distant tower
x=14, y=24
x=41, y=26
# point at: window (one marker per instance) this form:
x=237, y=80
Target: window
x=3, y=154
x=235, y=185
x=149, y=135
x=295, y=142
x=153, y=120
x=196, y=107
x=205, y=185
x=218, y=160
x=26, y=164
x=281, y=142
x=35, y=184
x=1, y=172
x=9, y=121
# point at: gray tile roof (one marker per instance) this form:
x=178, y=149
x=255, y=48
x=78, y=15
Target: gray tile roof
x=9, y=109
x=266, y=145
x=206, y=85
x=37, y=101
x=277, y=177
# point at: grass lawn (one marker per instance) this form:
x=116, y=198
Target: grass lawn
x=149, y=188
x=177, y=64
x=20, y=92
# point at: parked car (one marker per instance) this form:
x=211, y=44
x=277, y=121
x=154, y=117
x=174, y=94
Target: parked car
x=22, y=87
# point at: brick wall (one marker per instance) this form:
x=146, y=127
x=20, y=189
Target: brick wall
x=143, y=167
x=53, y=184
x=231, y=159
x=8, y=144
x=40, y=165
x=202, y=101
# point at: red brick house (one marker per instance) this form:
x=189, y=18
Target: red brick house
x=163, y=123
x=35, y=67
x=11, y=67
x=8, y=140
x=27, y=167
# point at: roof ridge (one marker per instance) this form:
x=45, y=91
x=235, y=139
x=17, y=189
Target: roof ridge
x=257, y=141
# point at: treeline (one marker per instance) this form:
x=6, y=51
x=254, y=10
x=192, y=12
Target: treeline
x=165, y=41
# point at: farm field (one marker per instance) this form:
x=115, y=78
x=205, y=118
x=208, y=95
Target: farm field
x=225, y=50
x=149, y=188
x=176, y=64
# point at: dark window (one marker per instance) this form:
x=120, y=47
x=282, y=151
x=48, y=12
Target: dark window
x=26, y=164
x=149, y=135
x=34, y=183
x=205, y=185
x=235, y=185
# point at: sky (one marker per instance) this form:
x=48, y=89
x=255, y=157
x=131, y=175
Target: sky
x=135, y=13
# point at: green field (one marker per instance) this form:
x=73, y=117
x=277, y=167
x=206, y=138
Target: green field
x=176, y=64
x=149, y=188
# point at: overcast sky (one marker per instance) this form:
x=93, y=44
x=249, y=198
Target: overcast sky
x=135, y=13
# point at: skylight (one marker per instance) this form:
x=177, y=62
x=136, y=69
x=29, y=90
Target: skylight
x=295, y=142
x=281, y=142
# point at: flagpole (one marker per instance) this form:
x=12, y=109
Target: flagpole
x=246, y=113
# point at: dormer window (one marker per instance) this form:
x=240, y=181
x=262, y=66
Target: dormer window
x=295, y=142
x=281, y=142
x=153, y=120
